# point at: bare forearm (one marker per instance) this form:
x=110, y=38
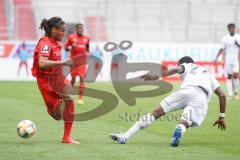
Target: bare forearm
x=222, y=99
x=46, y=64
x=238, y=45
x=170, y=72
x=87, y=47
x=222, y=104
x=219, y=53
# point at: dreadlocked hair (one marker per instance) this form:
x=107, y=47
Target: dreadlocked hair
x=48, y=24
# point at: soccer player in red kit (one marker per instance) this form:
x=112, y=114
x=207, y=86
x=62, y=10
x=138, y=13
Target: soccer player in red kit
x=47, y=64
x=78, y=45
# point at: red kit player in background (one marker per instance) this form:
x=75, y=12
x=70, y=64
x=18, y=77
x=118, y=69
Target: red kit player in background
x=47, y=64
x=78, y=45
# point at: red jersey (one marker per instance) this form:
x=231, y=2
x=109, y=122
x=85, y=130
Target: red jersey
x=79, y=43
x=46, y=47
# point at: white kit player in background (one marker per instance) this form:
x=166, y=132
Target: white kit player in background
x=193, y=96
x=231, y=58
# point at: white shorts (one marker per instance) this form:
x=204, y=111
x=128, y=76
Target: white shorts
x=231, y=68
x=190, y=98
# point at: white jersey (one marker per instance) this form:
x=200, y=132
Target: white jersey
x=194, y=75
x=230, y=48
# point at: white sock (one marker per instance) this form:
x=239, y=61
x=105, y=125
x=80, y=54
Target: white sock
x=229, y=87
x=235, y=85
x=142, y=123
x=183, y=128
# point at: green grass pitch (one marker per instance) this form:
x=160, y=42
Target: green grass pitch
x=22, y=100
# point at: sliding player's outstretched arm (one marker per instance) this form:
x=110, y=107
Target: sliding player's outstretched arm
x=169, y=72
x=222, y=104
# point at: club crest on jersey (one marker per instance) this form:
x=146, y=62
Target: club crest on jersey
x=45, y=48
x=85, y=40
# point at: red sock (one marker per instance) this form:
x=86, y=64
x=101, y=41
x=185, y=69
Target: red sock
x=68, y=116
x=81, y=89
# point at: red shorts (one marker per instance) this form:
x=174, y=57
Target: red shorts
x=50, y=95
x=80, y=71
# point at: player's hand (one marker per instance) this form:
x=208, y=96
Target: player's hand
x=148, y=77
x=221, y=123
x=68, y=62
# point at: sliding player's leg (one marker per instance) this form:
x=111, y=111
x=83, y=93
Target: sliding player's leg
x=173, y=102
x=192, y=116
x=179, y=131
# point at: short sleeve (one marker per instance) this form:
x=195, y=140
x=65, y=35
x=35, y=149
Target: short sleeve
x=214, y=83
x=44, y=48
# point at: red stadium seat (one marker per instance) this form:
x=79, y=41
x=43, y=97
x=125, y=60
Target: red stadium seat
x=96, y=33
x=3, y=21
x=24, y=20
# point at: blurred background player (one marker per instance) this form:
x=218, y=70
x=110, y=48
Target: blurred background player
x=193, y=96
x=46, y=65
x=78, y=45
x=23, y=54
x=230, y=50
x=97, y=53
x=116, y=63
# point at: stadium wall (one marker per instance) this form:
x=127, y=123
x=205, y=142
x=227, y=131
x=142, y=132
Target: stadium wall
x=166, y=53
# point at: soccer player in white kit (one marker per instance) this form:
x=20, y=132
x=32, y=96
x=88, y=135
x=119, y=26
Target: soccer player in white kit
x=230, y=50
x=193, y=96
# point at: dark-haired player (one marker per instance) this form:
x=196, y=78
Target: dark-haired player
x=46, y=66
x=193, y=96
x=230, y=50
x=78, y=45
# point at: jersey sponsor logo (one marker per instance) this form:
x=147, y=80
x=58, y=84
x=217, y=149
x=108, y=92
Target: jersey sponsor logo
x=45, y=49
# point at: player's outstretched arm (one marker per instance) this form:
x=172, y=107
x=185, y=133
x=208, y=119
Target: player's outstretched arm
x=45, y=63
x=173, y=71
x=219, y=53
x=169, y=72
x=222, y=104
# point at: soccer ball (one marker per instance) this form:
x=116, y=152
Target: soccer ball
x=26, y=129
